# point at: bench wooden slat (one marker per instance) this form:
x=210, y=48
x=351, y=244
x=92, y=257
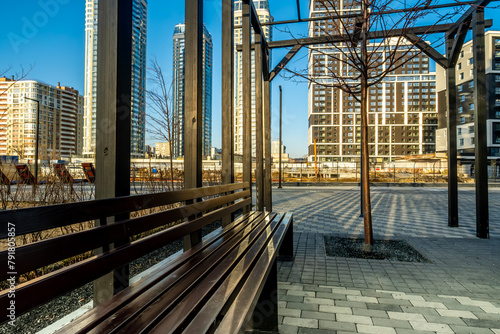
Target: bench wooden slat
x=45, y=288
x=36, y=255
x=104, y=310
x=37, y=219
x=187, y=307
x=239, y=316
x=209, y=312
x=142, y=311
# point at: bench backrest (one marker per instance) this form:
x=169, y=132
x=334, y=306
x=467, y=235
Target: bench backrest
x=29, y=257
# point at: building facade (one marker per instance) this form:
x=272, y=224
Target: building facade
x=162, y=150
x=402, y=114
x=60, y=109
x=465, y=100
x=262, y=7
x=178, y=90
x=138, y=92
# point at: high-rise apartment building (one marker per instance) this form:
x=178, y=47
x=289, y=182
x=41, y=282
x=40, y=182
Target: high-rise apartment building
x=58, y=119
x=402, y=113
x=465, y=100
x=178, y=90
x=262, y=7
x=138, y=92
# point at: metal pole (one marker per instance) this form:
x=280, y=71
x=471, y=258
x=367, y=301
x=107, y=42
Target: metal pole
x=337, y=172
x=414, y=172
x=227, y=96
x=452, y=139
x=361, y=182
x=394, y=172
x=37, y=134
x=315, y=161
x=481, y=115
x=247, y=96
x=279, y=146
x=301, y=172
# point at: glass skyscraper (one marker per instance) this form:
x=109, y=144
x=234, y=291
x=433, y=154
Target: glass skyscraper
x=138, y=92
x=178, y=90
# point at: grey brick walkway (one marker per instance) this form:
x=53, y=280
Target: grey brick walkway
x=459, y=292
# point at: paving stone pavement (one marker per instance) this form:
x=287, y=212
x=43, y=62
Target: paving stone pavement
x=458, y=292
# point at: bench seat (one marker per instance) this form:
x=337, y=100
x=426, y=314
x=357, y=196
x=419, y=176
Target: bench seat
x=226, y=284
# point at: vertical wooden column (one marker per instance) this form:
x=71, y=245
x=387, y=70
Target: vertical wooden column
x=452, y=137
x=227, y=95
x=480, y=133
x=259, y=172
x=247, y=96
x=193, y=116
x=113, y=123
x=268, y=196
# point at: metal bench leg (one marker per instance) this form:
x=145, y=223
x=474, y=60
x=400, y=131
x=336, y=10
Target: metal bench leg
x=265, y=314
x=285, y=252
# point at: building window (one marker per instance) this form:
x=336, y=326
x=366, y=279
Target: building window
x=471, y=61
x=471, y=106
x=461, y=76
x=462, y=120
x=459, y=66
x=460, y=109
x=459, y=131
x=496, y=133
x=461, y=142
x=471, y=84
x=462, y=98
x=459, y=87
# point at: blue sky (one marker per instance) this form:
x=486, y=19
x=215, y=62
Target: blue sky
x=50, y=35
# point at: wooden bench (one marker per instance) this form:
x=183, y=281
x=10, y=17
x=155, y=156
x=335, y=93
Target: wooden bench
x=225, y=284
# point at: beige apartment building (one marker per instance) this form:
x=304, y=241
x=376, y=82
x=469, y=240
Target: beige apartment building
x=162, y=149
x=60, y=120
x=402, y=113
x=465, y=101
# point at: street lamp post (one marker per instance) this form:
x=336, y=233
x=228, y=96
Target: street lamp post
x=36, y=133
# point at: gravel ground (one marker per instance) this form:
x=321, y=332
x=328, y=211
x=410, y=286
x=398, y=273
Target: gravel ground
x=49, y=313
x=394, y=250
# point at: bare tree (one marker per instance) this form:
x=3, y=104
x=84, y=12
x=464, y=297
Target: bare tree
x=164, y=125
x=368, y=43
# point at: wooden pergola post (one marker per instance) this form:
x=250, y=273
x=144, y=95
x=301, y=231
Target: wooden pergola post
x=480, y=133
x=227, y=96
x=113, y=123
x=247, y=95
x=451, y=104
x=259, y=140
x=193, y=113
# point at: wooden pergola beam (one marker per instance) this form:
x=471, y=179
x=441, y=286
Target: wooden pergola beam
x=281, y=65
x=428, y=50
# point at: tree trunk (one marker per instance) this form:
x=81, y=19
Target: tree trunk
x=367, y=211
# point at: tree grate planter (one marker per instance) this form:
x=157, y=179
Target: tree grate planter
x=393, y=250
